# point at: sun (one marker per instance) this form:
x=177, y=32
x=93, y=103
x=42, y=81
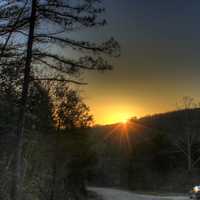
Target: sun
x=124, y=121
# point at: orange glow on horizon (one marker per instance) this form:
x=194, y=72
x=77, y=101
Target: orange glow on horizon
x=115, y=117
x=114, y=111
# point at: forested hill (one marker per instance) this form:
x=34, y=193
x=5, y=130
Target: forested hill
x=173, y=120
x=158, y=147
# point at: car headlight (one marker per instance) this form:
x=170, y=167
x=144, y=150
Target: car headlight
x=196, y=189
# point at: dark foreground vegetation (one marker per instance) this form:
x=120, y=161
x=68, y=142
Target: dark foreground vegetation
x=154, y=153
x=57, y=154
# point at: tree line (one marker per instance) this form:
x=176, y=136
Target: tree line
x=57, y=154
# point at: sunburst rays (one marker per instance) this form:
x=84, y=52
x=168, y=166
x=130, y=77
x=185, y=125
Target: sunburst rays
x=121, y=132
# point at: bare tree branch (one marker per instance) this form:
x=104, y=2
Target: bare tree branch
x=13, y=29
x=60, y=80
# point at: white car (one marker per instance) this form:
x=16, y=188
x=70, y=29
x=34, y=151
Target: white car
x=195, y=193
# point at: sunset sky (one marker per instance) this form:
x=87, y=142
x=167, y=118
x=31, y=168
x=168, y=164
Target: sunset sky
x=160, y=43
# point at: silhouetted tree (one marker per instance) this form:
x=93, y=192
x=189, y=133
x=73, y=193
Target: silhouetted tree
x=187, y=141
x=25, y=20
x=69, y=164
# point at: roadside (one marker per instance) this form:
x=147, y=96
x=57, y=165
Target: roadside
x=115, y=194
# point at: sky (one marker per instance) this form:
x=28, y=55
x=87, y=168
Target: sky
x=159, y=62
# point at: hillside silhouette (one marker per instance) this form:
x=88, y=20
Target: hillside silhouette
x=152, y=148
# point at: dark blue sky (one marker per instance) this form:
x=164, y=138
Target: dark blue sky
x=160, y=61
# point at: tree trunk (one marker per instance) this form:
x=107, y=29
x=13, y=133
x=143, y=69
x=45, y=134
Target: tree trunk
x=54, y=172
x=16, y=193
